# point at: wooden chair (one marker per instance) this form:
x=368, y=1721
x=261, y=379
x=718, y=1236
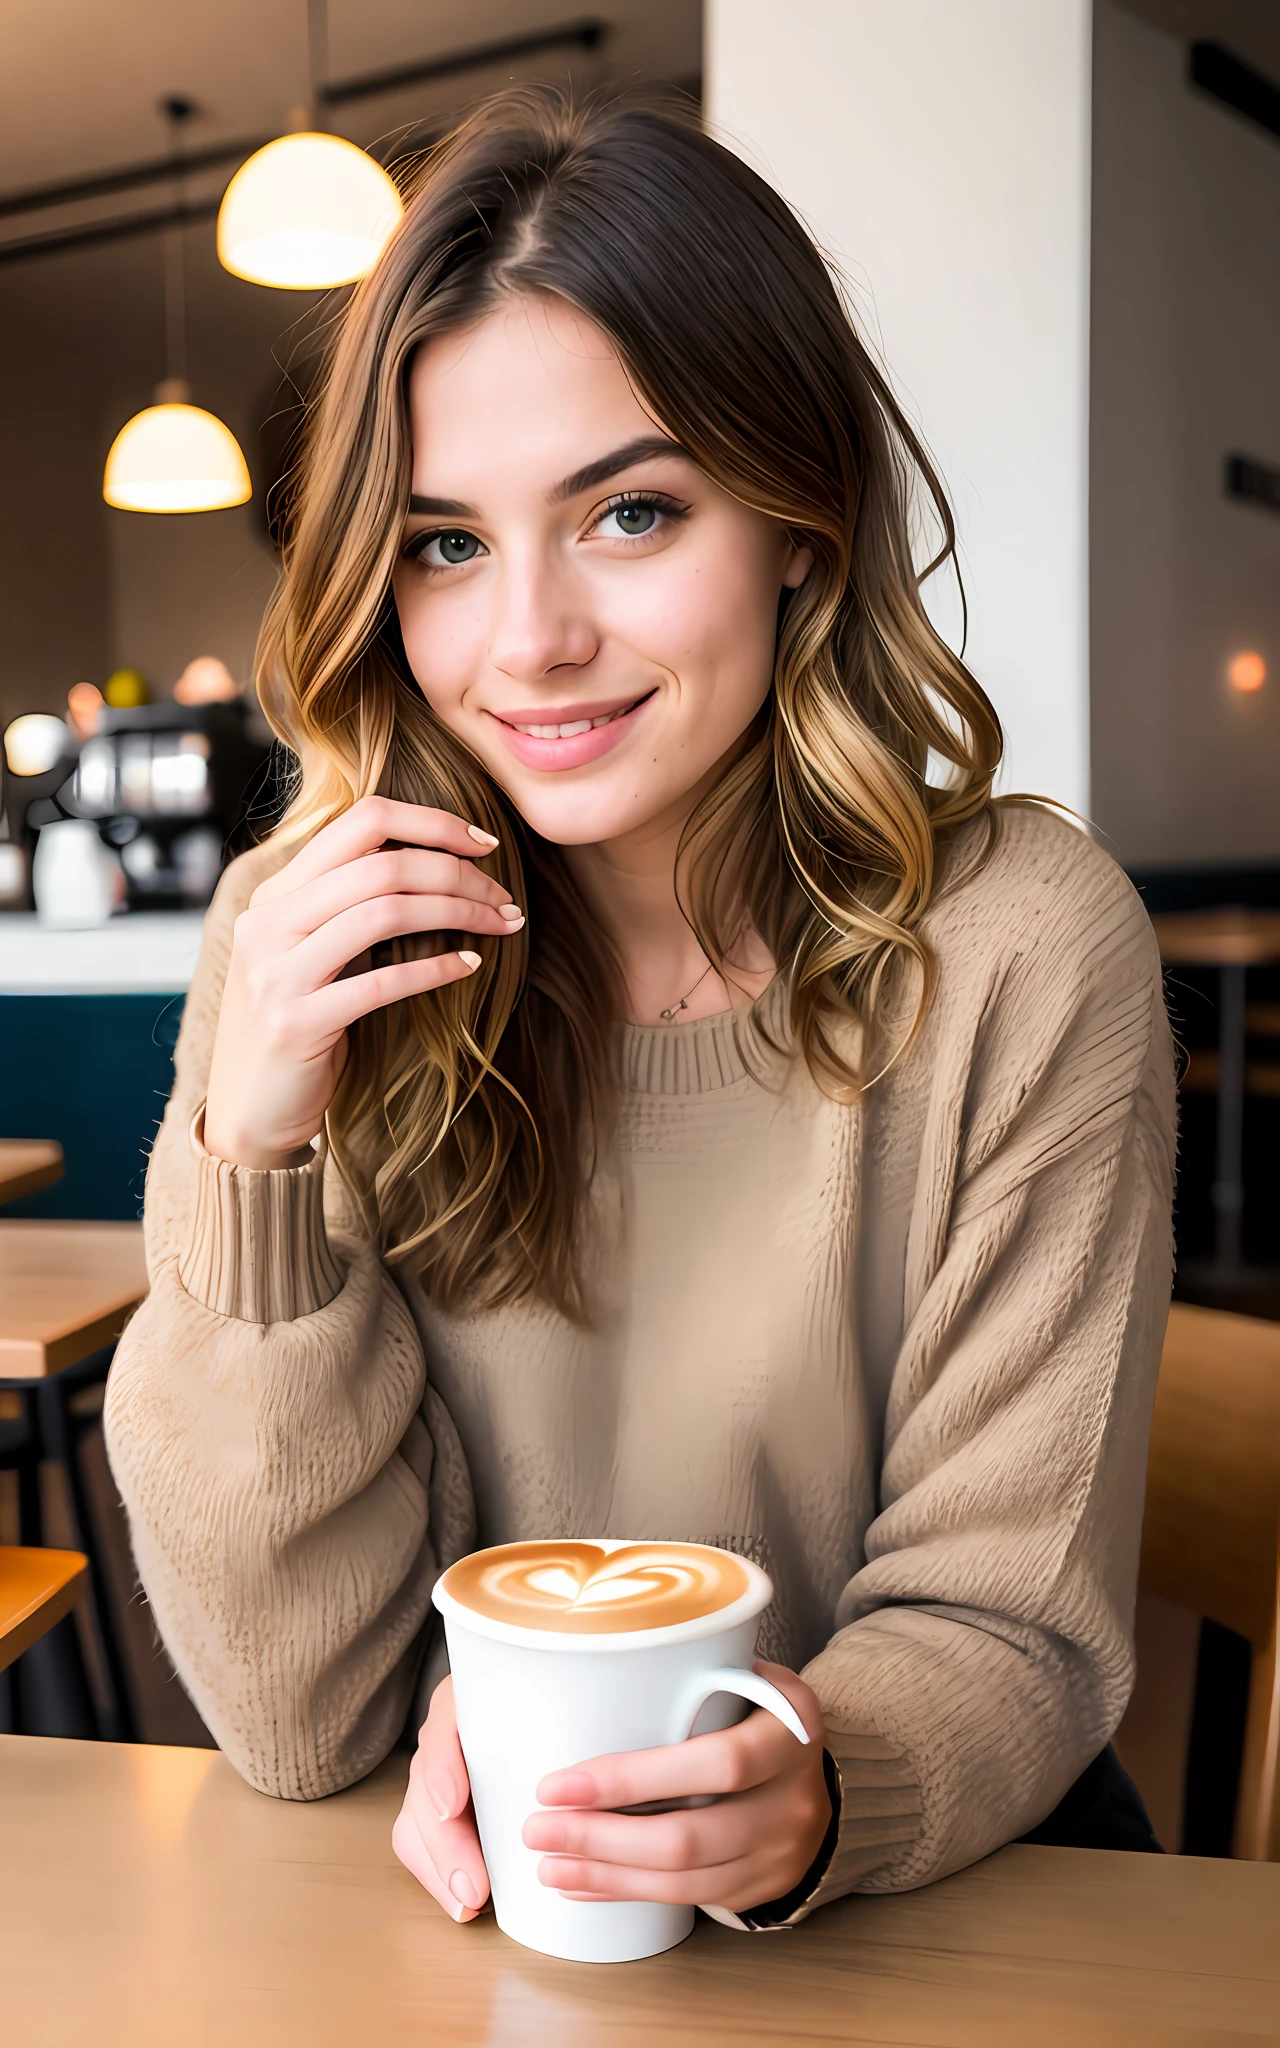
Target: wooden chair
x=66, y=1290
x=1211, y=1532
x=37, y=1587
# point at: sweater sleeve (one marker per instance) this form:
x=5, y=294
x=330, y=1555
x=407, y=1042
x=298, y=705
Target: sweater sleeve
x=983, y=1653
x=290, y=1498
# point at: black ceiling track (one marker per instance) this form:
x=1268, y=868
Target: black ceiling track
x=577, y=35
x=1236, y=84
x=36, y=198
x=122, y=229
x=584, y=35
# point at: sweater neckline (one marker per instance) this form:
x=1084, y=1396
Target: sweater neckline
x=706, y=1054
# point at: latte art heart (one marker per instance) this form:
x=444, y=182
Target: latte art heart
x=583, y=1589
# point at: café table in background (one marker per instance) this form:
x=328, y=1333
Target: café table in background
x=1233, y=941
x=27, y=1165
x=149, y=1897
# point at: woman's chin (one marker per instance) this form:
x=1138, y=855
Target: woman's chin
x=584, y=817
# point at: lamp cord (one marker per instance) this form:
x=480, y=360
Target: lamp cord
x=317, y=57
x=177, y=112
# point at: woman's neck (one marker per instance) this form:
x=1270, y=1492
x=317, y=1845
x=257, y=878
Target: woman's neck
x=629, y=885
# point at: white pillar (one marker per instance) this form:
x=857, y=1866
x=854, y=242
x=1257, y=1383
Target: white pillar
x=939, y=150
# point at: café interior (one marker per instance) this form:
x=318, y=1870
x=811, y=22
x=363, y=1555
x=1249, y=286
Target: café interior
x=1060, y=225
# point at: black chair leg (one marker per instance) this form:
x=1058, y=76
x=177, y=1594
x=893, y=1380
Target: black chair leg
x=49, y=1692
x=61, y=1431
x=50, y=1689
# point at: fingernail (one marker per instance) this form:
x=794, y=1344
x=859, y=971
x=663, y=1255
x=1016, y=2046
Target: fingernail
x=485, y=838
x=441, y=1798
x=470, y=961
x=512, y=911
x=463, y=1890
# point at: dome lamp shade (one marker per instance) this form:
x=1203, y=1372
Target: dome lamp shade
x=306, y=212
x=175, y=457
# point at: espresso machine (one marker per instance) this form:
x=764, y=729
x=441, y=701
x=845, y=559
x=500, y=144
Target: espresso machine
x=168, y=786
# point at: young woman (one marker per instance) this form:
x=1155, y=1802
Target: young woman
x=647, y=1087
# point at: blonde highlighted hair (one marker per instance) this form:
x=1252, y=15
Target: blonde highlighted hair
x=467, y=1119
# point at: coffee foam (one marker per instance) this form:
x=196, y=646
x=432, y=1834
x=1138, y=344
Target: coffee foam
x=583, y=1589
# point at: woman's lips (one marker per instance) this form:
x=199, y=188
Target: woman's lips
x=577, y=750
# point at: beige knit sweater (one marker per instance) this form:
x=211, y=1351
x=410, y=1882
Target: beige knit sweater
x=902, y=1353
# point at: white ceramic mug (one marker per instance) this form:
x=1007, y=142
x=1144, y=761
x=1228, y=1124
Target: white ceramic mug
x=532, y=1700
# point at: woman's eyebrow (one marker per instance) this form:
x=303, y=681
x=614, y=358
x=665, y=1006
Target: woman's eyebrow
x=587, y=478
x=593, y=473
x=441, y=508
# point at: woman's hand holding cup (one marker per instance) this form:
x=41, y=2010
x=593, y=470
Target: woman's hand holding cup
x=282, y=1028
x=760, y=1812
x=435, y=1833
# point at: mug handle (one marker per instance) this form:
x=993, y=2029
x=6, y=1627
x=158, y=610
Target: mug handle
x=748, y=1685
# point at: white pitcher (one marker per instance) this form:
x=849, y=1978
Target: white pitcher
x=76, y=880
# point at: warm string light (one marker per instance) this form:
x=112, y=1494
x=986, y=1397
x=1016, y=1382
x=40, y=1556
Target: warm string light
x=1247, y=672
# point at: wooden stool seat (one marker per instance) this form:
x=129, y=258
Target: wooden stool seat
x=27, y=1165
x=65, y=1290
x=37, y=1587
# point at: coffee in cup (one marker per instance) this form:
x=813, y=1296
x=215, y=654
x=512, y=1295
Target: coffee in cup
x=587, y=1589
x=564, y=1651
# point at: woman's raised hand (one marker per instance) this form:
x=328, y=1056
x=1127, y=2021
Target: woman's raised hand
x=282, y=1028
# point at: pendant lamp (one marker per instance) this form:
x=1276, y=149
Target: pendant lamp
x=175, y=456
x=310, y=210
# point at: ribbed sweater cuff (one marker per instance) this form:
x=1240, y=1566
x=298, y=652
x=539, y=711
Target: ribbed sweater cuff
x=880, y=1813
x=259, y=1251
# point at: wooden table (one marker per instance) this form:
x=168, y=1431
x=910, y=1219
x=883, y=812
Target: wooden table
x=65, y=1289
x=37, y=1587
x=1233, y=941
x=148, y=1897
x=27, y=1165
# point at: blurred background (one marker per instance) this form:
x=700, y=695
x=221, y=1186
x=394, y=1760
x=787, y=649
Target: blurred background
x=1061, y=226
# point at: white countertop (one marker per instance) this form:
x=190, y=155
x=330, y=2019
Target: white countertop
x=145, y=952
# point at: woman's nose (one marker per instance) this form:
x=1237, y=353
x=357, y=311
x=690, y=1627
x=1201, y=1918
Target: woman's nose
x=539, y=623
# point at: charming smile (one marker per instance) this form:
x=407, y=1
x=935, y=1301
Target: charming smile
x=570, y=735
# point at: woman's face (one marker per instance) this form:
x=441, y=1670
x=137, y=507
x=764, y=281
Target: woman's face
x=590, y=614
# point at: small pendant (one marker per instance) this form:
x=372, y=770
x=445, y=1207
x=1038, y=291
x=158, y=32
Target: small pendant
x=667, y=1015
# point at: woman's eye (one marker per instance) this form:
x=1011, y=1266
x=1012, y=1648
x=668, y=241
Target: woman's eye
x=446, y=550
x=630, y=521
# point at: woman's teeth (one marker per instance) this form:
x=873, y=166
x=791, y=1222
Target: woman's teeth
x=578, y=725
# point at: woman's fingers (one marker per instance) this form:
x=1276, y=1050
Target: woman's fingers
x=444, y=1856
x=745, y=1882
x=330, y=1010
x=435, y=1835
x=393, y=871
x=732, y=1760
x=366, y=827
x=444, y=1767
x=692, y=1839
x=315, y=960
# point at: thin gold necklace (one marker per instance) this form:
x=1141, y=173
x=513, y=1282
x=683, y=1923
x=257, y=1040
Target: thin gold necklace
x=669, y=1016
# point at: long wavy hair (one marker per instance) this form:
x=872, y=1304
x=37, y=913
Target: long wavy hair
x=468, y=1119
